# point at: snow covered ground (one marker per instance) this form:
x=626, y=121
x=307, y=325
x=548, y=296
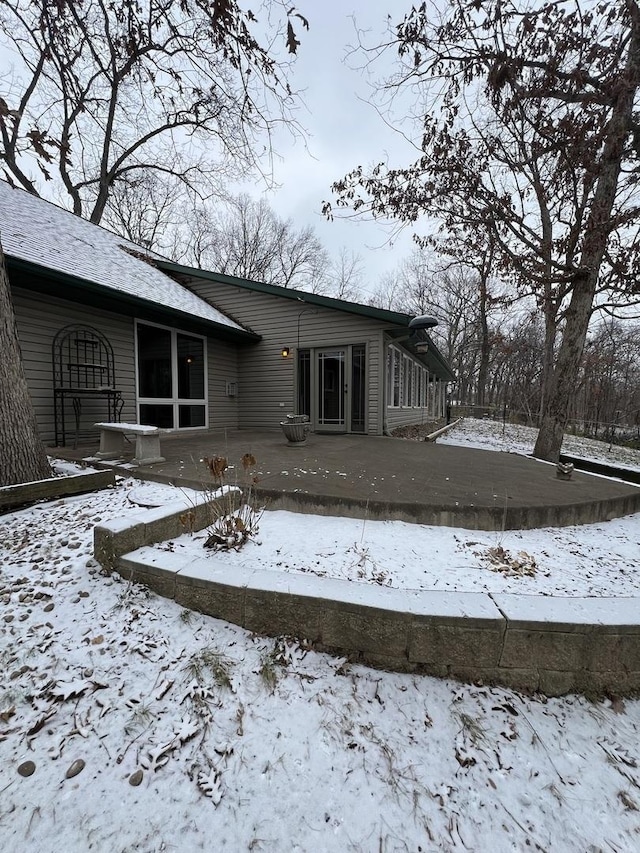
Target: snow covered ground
x=129, y=724
x=493, y=435
x=595, y=559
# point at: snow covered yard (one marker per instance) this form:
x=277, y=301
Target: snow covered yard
x=129, y=724
x=513, y=438
x=587, y=560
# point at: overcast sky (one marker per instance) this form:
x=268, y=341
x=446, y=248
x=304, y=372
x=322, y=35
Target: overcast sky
x=344, y=130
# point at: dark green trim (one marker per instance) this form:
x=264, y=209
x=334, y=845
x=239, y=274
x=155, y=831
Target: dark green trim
x=369, y=311
x=46, y=281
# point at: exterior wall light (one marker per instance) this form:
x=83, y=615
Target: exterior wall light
x=285, y=351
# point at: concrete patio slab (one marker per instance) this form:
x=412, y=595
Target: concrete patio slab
x=388, y=478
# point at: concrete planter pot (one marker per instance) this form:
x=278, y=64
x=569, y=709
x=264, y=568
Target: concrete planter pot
x=564, y=471
x=296, y=428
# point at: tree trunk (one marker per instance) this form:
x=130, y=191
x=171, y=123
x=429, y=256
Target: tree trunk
x=567, y=369
x=485, y=346
x=550, y=329
x=565, y=376
x=22, y=454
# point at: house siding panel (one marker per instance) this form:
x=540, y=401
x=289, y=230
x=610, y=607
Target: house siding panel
x=40, y=318
x=397, y=417
x=222, y=369
x=267, y=380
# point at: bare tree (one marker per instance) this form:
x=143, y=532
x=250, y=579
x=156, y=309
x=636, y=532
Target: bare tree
x=389, y=292
x=146, y=209
x=346, y=275
x=458, y=294
x=22, y=453
x=246, y=238
x=105, y=90
x=609, y=389
x=528, y=125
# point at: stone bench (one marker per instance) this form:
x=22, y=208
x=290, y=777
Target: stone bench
x=147, y=442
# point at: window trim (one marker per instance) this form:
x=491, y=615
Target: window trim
x=408, y=378
x=174, y=401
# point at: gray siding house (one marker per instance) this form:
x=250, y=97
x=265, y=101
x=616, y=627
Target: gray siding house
x=194, y=350
x=349, y=367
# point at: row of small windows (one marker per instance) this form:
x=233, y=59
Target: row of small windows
x=407, y=381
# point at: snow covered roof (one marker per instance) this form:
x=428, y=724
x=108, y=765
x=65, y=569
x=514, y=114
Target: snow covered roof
x=39, y=232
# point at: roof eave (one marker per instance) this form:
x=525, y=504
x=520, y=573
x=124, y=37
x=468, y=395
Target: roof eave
x=82, y=290
x=433, y=359
x=358, y=308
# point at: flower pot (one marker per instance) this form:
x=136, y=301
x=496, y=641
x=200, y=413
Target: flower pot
x=296, y=428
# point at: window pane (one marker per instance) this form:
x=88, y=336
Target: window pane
x=331, y=390
x=156, y=415
x=406, y=367
x=397, y=377
x=191, y=416
x=190, y=367
x=154, y=362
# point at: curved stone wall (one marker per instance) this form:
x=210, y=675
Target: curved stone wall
x=535, y=643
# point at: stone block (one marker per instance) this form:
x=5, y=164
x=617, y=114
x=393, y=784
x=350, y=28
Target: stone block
x=516, y=678
x=436, y=670
x=164, y=527
x=212, y=598
x=157, y=571
x=163, y=583
x=615, y=683
x=272, y=613
x=546, y=648
x=110, y=543
x=473, y=609
x=558, y=683
x=390, y=663
x=607, y=652
x=203, y=515
x=578, y=615
x=366, y=629
x=432, y=641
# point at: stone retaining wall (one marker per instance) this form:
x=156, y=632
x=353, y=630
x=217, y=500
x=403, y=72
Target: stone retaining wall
x=553, y=645
x=55, y=487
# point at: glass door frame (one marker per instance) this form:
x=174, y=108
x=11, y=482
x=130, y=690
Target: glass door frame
x=341, y=393
x=311, y=356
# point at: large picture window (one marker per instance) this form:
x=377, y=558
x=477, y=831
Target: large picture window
x=171, y=378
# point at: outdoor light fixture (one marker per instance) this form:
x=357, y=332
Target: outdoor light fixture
x=285, y=351
x=423, y=322
x=418, y=326
x=189, y=359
